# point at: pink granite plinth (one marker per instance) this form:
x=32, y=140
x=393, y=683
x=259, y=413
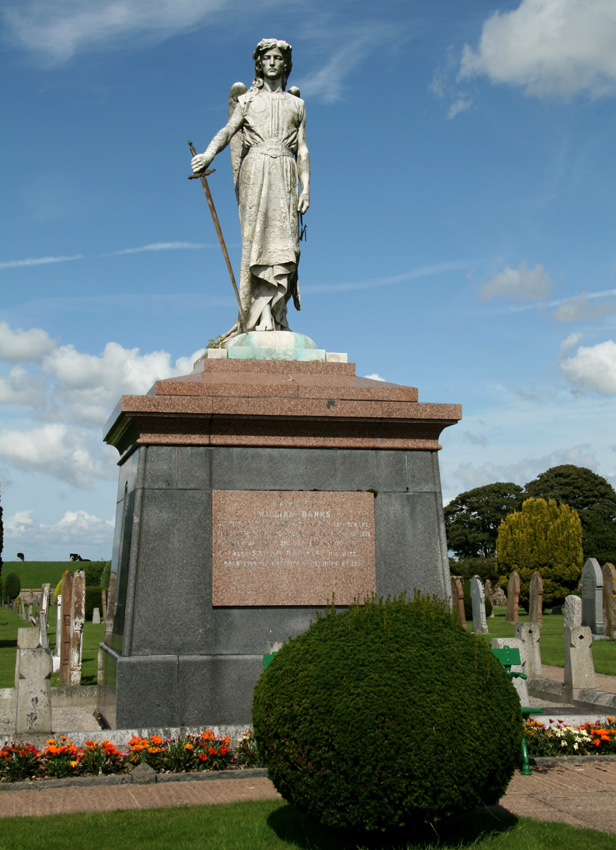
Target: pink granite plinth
x=279, y=403
x=292, y=548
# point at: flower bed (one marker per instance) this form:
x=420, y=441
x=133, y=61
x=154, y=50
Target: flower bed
x=558, y=739
x=61, y=758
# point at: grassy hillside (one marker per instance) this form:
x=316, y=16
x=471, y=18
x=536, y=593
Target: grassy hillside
x=37, y=573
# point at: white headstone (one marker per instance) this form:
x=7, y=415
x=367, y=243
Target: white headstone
x=33, y=702
x=592, y=597
x=579, y=667
x=573, y=612
x=530, y=634
x=478, y=601
x=96, y=616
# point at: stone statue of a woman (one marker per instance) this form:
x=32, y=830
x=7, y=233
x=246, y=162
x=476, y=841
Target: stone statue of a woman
x=270, y=123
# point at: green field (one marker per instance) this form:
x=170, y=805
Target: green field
x=33, y=574
x=273, y=824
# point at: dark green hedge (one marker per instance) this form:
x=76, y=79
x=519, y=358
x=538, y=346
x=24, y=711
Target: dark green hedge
x=387, y=715
x=93, y=600
x=12, y=586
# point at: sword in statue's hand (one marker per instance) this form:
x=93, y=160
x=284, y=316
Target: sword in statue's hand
x=202, y=175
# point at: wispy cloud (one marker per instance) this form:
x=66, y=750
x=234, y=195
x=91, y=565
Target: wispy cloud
x=38, y=261
x=374, y=283
x=159, y=246
x=518, y=284
x=559, y=302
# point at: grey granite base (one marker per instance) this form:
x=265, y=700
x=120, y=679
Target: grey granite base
x=173, y=659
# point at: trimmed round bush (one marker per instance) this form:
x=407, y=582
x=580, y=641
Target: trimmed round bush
x=387, y=715
x=12, y=586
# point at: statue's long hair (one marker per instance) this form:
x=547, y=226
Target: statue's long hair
x=262, y=47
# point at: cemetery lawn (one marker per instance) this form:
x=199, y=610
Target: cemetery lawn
x=10, y=621
x=552, y=646
x=34, y=574
x=272, y=824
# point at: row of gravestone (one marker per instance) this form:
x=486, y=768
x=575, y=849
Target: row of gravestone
x=598, y=599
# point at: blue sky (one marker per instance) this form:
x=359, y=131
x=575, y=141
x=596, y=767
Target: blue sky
x=461, y=235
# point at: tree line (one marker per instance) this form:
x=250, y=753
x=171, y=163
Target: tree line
x=552, y=524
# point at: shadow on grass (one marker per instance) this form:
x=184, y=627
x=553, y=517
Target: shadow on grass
x=4, y=644
x=295, y=827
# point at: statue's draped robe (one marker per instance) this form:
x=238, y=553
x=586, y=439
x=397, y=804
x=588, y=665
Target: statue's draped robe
x=268, y=197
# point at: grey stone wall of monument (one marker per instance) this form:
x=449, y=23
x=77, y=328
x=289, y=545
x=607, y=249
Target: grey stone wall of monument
x=513, y=598
x=609, y=599
x=579, y=666
x=33, y=686
x=592, y=597
x=478, y=602
x=530, y=635
x=457, y=600
x=518, y=683
x=573, y=612
x=535, y=599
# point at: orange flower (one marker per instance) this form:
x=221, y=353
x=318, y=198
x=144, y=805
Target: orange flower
x=51, y=741
x=134, y=740
x=74, y=763
x=227, y=739
x=188, y=746
x=156, y=739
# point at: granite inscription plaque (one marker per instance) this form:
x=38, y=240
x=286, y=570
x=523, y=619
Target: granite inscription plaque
x=292, y=547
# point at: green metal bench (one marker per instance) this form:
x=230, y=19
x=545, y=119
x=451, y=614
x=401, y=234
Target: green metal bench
x=267, y=659
x=509, y=657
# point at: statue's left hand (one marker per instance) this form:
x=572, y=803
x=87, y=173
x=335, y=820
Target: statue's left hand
x=304, y=202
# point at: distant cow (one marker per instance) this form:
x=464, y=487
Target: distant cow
x=20, y=556
x=75, y=557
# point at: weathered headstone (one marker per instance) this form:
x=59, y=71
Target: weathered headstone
x=490, y=595
x=96, y=616
x=530, y=634
x=77, y=620
x=609, y=599
x=104, y=605
x=592, y=596
x=33, y=674
x=579, y=667
x=43, y=616
x=478, y=601
x=22, y=608
x=65, y=640
x=518, y=683
x=535, y=599
x=513, y=598
x=500, y=597
x=573, y=612
x=457, y=600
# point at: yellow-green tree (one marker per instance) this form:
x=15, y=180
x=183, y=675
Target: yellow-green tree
x=543, y=536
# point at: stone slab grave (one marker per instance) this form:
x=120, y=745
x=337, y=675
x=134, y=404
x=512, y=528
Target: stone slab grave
x=457, y=600
x=579, y=667
x=33, y=669
x=490, y=595
x=609, y=599
x=252, y=494
x=513, y=598
x=530, y=635
x=478, y=601
x=592, y=597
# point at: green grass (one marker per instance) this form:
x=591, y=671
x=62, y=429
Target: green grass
x=34, y=574
x=10, y=621
x=552, y=646
x=273, y=824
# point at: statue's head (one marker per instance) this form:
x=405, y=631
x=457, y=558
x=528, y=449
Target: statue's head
x=270, y=44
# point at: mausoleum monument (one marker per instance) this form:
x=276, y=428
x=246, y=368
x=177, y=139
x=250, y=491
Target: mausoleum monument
x=269, y=483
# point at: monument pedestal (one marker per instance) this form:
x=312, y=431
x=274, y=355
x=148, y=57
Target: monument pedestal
x=251, y=494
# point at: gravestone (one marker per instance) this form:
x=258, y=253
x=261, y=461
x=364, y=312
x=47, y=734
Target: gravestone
x=78, y=616
x=57, y=649
x=478, y=602
x=513, y=598
x=573, y=612
x=43, y=616
x=104, y=605
x=490, y=595
x=33, y=685
x=609, y=600
x=530, y=634
x=96, y=616
x=518, y=683
x=500, y=597
x=592, y=597
x=457, y=600
x=579, y=667
x=65, y=633
x=535, y=599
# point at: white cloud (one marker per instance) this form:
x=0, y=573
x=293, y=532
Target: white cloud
x=72, y=395
x=580, y=308
x=58, y=30
x=157, y=246
x=375, y=377
x=38, y=261
x=24, y=346
x=549, y=47
x=461, y=104
x=76, y=531
x=593, y=368
x=517, y=284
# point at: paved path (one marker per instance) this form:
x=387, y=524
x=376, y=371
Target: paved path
x=579, y=795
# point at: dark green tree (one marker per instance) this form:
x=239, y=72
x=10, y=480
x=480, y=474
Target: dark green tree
x=472, y=519
x=591, y=496
x=12, y=586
